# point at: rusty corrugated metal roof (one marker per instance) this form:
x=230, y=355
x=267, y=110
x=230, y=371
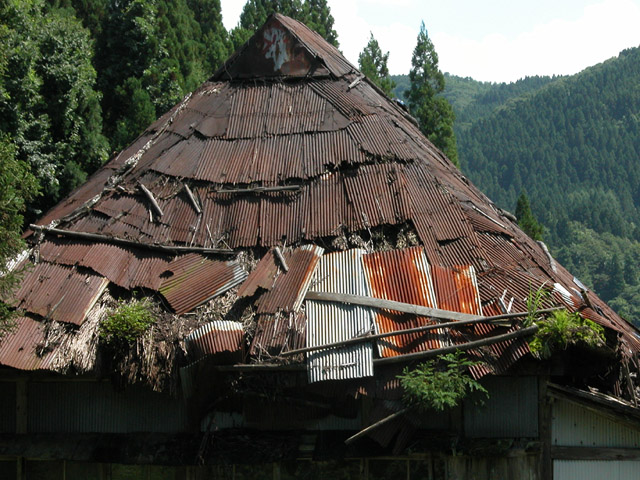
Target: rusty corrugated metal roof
x=19, y=348
x=58, y=292
x=289, y=287
x=196, y=279
x=219, y=336
x=402, y=276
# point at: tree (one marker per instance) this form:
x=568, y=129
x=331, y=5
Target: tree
x=17, y=186
x=214, y=37
x=317, y=16
x=48, y=105
x=426, y=103
x=374, y=65
x=526, y=219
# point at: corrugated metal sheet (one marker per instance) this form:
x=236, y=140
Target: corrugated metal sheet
x=197, y=279
x=510, y=411
x=216, y=337
x=262, y=276
x=19, y=348
x=609, y=469
x=129, y=268
x=58, y=292
x=278, y=333
x=289, y=287
x=83, y=407
x=402, y=276
x=575, y=426
x=7, y=407
x=339, y=272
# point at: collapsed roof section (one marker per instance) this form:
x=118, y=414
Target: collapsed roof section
x=289, y=156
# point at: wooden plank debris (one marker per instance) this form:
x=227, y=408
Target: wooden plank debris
x=152, y=200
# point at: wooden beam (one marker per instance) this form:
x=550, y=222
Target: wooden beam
x=192, y=199
x=461, y=347
x=389, y=305
x=372, y=427
x=170, y=249
x=283, y=188
x=156, y=208
x=281, y=259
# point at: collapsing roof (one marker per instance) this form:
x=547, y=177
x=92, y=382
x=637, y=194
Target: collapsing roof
x=291, y=187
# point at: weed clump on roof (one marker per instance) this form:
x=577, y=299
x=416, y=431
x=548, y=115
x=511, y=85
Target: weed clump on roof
x=563, y=328
x=128, y=321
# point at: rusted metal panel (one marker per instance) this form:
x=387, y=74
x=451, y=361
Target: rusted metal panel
x=339, y=272
x=402, y=276
x=457, y=289
x=328, y=206
x=281, y=218
x=375, y=135
x=196, y=279
x=338, y=94
x=19, y=348
x=216, y=337
x=128, y=268
x=278, y=333
x=262, y=276
x=289, y=287
x=375, y=193
x=182, y=159
x=58, y=292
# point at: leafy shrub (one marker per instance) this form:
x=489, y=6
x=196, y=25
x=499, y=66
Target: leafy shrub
x=439, y=384
x=562, y=329
x=127, y=322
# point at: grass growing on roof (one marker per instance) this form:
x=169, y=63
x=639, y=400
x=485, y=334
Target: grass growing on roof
x=440, y=383
x=563, y=328
x=128, y=321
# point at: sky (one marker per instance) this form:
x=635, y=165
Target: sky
x=487, y=40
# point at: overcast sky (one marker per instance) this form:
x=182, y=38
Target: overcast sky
x=489, y=40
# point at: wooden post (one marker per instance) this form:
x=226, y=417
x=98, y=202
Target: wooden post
x=544, y=429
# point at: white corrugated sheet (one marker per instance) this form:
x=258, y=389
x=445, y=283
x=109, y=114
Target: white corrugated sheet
x=607, y=469
x=339, y=272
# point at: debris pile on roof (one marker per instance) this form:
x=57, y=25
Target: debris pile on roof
x=265, y=213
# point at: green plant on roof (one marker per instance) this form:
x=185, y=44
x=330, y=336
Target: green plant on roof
x=128, y=321
x=534, y=302
x=440, y=383
x=561, y=329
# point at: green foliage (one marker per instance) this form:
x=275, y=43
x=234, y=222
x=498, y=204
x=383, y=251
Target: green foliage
x=127, y=322
x=48, y=104
x=373, y=63
x=426, y=103
x=316, y=14
x=534, y=302
x=17, y=186
x=439, y=384
x=561, y=329
x=526, y=220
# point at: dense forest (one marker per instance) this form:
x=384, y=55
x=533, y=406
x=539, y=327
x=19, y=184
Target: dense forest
x=80, y=79
x=572, y=144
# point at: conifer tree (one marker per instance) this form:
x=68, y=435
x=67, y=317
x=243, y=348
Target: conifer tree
x=426, y=103
x=316, y=14
x=526, y=220
x=374, y=65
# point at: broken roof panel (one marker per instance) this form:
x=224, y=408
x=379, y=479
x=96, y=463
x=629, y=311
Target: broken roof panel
x=339, y=272
x=290, y=287
x=402, y=276
x=220, y=336
x=278, y=333
x=61, y=293
x=21, y=348
x=263, y=276
x=195, y=279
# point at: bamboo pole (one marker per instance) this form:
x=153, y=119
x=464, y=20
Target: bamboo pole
x=192, y=199
x=371, y=427
x=281, y=259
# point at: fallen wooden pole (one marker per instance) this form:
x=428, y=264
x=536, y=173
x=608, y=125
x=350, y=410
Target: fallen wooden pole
x=373, y=426
x=281, y=259
x=390, y=305
x=129, y=243
x=192, y=199
x=409, y=357
x=151, y=199
x=284, y=188
x=425, y=328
